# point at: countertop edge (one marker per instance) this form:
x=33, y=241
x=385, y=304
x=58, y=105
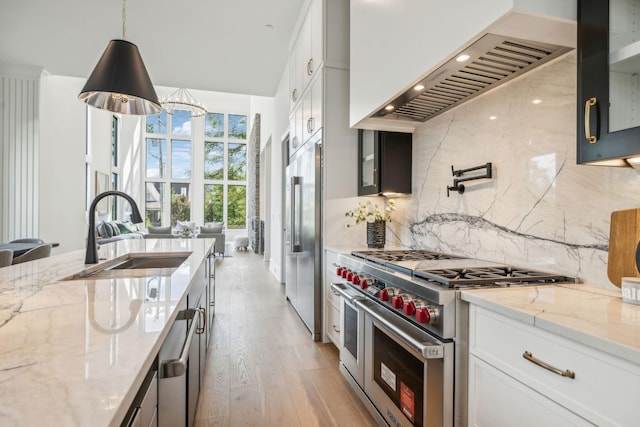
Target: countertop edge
x=544, y=320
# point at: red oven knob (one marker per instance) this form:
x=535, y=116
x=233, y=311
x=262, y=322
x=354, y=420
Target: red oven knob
x=355, y=279
x=384, y=295
x=339, y=271
x=364, y=283
x=428, y=315
x=397, y=301
x=409, y=308
x=344, y=273
x=350, y=276
x=423, y=316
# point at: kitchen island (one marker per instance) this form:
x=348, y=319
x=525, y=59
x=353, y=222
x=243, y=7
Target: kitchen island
x=75, y=352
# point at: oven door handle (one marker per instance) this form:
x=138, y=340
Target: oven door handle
x=429, y=349
x=342, y=290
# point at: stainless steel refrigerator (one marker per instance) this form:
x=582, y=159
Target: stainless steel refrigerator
x=303, y=238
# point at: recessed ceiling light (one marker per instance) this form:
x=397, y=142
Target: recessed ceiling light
x=269, y=27
x=389, y=107
x=463, y=57
x=418, y=87
x=493, y=117
x=536, y=101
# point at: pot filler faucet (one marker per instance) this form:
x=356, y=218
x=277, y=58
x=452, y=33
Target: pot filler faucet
x=92, y=249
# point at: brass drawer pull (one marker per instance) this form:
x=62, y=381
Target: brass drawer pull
x=566, y=373
x=587, y=126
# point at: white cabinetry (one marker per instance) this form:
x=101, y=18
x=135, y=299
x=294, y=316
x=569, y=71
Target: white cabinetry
x=322, y=103
x=506, y=388
x=331, y=301
x=306, y=56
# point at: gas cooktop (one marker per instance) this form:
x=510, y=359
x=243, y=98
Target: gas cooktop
x=454, y=272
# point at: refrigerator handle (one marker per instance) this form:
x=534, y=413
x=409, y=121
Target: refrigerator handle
x=296, y=209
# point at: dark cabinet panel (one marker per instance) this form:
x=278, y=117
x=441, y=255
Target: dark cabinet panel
x=384, y=165
x=608, y=116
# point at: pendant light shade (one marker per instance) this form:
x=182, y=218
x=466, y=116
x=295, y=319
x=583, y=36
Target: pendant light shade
x=120, y=82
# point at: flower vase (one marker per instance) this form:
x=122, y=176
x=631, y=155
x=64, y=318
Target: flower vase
x=376, y=234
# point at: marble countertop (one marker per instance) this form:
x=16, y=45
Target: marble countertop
x=74, y=353
x=590, y=315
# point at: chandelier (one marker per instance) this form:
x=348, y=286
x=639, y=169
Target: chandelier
x=182, y=99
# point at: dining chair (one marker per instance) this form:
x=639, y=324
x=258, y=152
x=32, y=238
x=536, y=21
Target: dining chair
x=28, y=240
x=38, y=252
x=6, y=257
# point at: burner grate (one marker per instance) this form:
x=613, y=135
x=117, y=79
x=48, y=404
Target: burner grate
x=488, y=276
x=380, y=257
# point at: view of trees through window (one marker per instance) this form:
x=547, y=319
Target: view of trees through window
x=225, y=169
x=169, y=159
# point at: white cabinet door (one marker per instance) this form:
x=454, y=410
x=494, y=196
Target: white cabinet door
x=294, y=82
x=317, y=101
x=316, y=41
x=331, y=301
x=333, y=325
x=498, y=400
x=312, y=109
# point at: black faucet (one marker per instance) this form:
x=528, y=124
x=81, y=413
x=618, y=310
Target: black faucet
x=92, y=249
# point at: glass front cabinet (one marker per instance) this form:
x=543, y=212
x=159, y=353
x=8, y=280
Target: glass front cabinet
x=608, y=82
x=384, y=167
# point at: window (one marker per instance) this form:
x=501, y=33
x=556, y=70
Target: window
x=225, y=169
x=115, y=170
x=220, y=179
x=168, y=164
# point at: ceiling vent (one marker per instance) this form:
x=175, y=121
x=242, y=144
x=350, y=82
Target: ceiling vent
x=492, y=61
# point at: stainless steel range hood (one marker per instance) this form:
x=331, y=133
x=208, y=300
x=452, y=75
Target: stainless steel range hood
x=493, y=60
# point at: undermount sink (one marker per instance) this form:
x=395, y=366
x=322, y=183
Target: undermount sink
x=134, y=265
x=137, y=262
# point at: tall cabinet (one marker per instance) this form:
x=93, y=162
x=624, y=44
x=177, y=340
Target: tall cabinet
x=319, y=100
x=608, y=116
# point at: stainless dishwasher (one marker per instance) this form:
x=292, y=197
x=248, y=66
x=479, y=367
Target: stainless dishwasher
x=180, y=358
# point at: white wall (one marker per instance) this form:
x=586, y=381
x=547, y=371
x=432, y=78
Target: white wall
x=280, y=128
x=62, y=163
x=540, y=210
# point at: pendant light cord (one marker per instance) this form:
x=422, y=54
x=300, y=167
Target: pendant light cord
x=124, y=19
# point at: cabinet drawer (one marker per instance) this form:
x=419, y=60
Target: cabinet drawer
x=497, y=400
x=331, y=297
x=605, y=389
x=333, y=324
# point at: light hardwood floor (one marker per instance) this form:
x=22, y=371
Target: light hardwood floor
x=263, y=369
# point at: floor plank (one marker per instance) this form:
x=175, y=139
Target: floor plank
x=263, y=368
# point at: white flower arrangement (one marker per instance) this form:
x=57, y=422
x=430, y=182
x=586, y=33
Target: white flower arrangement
x=371, y=212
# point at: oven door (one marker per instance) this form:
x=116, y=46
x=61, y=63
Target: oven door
x=408, y=373
x=351, y=332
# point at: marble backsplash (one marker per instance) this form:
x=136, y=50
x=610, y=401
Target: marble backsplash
x=540, y=210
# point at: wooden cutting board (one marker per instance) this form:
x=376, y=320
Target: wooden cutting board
x=624, y=236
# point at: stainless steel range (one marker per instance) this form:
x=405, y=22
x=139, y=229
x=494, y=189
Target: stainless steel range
x=404, y=329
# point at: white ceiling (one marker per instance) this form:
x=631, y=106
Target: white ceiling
x=216, y=45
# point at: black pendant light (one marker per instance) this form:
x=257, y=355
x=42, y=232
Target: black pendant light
x=120, y=82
